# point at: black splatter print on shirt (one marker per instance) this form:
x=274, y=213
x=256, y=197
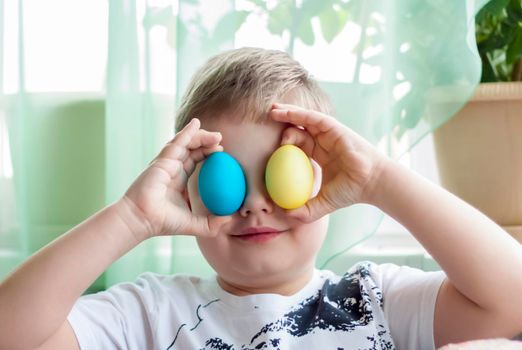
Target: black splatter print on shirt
x=340, y=306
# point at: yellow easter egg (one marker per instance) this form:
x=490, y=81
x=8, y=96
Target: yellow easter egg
x=289, y=177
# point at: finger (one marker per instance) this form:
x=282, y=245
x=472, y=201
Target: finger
x=313, y=210
x=299, y=138
x=310, y=119
x=209, y=226
x=286, y=106
x=217, y=223
x=202, y=138
x=189, y=164
x=174, y=166
x=304, y=140
x=328, y=133
x=315, y=122
x=202, y=153
x=176, y=147
x=316, y=127
x=184, y=137
x=171, y=166
x=197, y=225
x=173, y=152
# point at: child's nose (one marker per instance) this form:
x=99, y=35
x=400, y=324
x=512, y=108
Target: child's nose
x=256, y=201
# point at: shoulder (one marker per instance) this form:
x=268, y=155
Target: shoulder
x=148, y=289
x=161, y=284
x=129, y=312
x=168, y=281
x=389, y=276
x=384, y=280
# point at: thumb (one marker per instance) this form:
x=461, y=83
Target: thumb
x=313, y=210
x=208, y=226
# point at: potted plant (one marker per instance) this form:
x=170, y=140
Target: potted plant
x=479, y=150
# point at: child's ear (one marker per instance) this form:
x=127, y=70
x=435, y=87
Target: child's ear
x=318, y=178
x=186, y=198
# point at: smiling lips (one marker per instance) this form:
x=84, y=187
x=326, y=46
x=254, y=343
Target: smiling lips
x=258, y=234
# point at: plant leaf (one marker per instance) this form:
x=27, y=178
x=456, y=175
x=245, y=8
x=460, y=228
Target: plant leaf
x=514, y=50
x=491, y=43
x=312, y=8
x=280, y=16
x=493, y=7
x=259, y=3
x=332, y=23
x=305, y=32
x=229, y=24
x=514, y=10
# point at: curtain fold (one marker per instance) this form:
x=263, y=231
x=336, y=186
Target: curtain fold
x=73, y=142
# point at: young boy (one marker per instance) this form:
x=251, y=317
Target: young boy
x=266, y=293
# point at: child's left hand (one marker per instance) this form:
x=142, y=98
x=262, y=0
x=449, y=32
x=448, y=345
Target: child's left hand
x=350, y=164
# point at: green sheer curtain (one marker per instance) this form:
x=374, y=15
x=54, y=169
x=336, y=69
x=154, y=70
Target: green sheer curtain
x=87, y=100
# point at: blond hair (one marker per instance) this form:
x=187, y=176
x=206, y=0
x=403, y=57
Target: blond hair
x=246, y=82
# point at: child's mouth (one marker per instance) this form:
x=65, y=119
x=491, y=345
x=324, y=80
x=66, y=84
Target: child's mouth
x=259, y=234
x=258, y=237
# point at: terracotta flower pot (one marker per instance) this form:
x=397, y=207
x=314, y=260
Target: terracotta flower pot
x=479, y=153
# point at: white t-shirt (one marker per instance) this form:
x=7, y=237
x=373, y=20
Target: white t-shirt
x=370, y=307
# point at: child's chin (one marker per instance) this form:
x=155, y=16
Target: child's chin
x=265, y=267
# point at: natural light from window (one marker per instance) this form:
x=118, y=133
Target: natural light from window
x=65, y=51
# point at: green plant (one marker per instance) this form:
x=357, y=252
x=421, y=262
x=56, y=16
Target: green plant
x=499, y=40
x=407, y=40
x=287, y=16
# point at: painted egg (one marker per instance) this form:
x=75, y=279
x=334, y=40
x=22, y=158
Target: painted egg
x=289, y=177
x=221, y=184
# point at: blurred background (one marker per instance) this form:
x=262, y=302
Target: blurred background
x=89, y=90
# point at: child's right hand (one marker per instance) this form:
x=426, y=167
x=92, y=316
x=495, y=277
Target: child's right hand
x=154, y=204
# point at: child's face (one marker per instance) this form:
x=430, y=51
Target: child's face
x=257, y=263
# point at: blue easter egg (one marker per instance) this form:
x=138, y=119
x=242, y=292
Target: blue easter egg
x=221, y=184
